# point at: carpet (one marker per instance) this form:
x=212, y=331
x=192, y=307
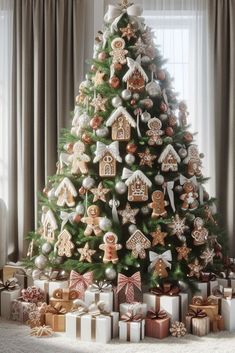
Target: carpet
x=15, y=338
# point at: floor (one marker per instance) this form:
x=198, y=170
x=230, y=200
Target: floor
x=15, y=338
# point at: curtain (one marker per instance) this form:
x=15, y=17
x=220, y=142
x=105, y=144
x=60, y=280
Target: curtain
x=49, y=51
x=222, y=49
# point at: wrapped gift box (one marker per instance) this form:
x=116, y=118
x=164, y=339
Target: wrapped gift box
x=228, y=313
x=157, y=324
x=64, y=297
x=10, y=270
x=176, y=306
x=136, y=308
x=50, y=286
x=132, y=331
x=20, y=310
x=210, y=306
x=56, y=321
x=205, y=289
x=98, y=292
x=96, y=328
x=6, y=297
x=230, y=282
x=199, y=326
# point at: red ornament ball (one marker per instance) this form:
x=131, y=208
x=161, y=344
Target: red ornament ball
x=117, y=67
x=93, y=68
x=69, y=147
x=161, y=75
x=133, y=102
x=102, y=56
x=188, y=137
x=82, y=191
x=77, y=218
x=114, y=82
x=86, y=139
x=163, y=107
x=169, y=131
x=131, y=148
x=96, y=122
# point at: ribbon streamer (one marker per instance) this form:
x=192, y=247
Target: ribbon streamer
x=154, y=258
x=101, y=149
x=129, y=283
x=168, y=186
x=114, y=211
x=199, y=313
x=131, y=317
x=115, y=13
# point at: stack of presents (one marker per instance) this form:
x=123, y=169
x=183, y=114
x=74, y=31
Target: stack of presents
x=97, y=311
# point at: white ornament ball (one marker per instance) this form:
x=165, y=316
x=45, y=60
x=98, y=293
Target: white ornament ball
x=144, y=210
x=45, y=209
x=129, y=159
x=105, y=224
x=153, y=89
x=51, y=194
x=132, y=228
x=114, y=202
x=126, y=95
x=116, y=102
x=182, y=152
x=88, y=182
x=110, y=273
x=35, y=274
x=145, y=117
x=159, y=179
x=145, y=59
x=46, y=248
x=102, y=132
x=163, y=117
x=120, y=187
x=80, y=209
x=57, y=260
x=40, y=262
x=136, y=96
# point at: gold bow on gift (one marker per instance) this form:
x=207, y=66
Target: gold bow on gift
x=198, y=313
x=199, y=300
x=64, y=293
x=56, y=309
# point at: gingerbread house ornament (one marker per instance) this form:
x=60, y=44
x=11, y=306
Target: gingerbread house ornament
x=135, y=77
x=138, y=185
x=66, y=193
x=138, y=243
x=49, y=226
x=169, y=159
x=107, y=156
x=121, y=123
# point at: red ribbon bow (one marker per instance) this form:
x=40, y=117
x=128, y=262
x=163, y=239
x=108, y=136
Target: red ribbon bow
x=207, y=276
x=129, y=283
x=80, y=282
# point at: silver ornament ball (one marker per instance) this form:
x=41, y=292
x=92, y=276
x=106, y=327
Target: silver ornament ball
x=182, y=152
x=120, y=187
x=145, y=117
x=88, y=182
x=36, y=273
x=46, y=248
x=114, y=202
x=159, y=179
x=40, y=262
x=57, y=260
x=132, y=228
x=102, y=132
x=129, y=159
x=136, y=96
x=163, y=117
x=126, y=95
x=145, y=59
x=110, y=273
x=80, y=209
x=116, y=102
x=144, y=210
x=105, y=224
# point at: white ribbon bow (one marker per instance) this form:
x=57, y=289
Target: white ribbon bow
x=67, y=217
x=154, y=258
x=115, y=13
x=101, y=149
x=184, y=180
x=168, y=186
x=126, y=173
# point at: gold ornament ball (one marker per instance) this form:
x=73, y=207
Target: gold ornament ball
x=45, y=191
x=131, y=148
x=86, y=139
x=82, y=191
x=69, y=147
x=161, y=75
x=102, y=56
x=169, y=131
x=96, y=122
x=117, y=67
x=114, y=82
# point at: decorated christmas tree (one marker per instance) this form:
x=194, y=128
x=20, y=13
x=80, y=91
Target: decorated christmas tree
x=129, y=191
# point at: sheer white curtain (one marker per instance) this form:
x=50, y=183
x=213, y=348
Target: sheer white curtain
x=6, y=35
x=181, y=32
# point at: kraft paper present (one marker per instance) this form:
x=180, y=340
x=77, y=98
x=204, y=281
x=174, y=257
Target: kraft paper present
x=198, y=326
x=56, y=321
x=132, y=331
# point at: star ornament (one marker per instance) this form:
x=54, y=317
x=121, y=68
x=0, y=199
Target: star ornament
x=208, y=255
x=98, y=78
x=128, y=214
x=99, y=103
x=178, y=226
x=128, y=32
x=158, y=237
x=99, y=193
x=86, y=253
x=146, y=158
x=195, y=268
x=183, y=252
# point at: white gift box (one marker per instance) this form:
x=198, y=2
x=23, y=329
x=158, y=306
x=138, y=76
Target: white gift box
x=226, y=282
x=176, y=306
x=6, y=298
x=228, y=313
x=73, y=325
x=132, y=331
x=95, y=296
x=96, y=328
x=205, y=288
x=49, y=286
x=136, y=308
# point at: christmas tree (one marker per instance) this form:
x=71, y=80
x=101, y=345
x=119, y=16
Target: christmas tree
x=129, y=192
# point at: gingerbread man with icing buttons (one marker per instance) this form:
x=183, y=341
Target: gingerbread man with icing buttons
x=110, y=248
x=92, y=221
x=118, y=53
x=154, y=132
x=189, y=196
x=158, y=205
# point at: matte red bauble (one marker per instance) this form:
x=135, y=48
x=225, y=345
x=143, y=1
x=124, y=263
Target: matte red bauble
x=114, y=82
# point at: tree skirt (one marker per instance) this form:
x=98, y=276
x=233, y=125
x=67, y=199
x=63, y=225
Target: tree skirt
x=15, y=338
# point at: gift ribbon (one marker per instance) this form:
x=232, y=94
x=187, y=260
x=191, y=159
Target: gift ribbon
x=156, y=315
x=199, y=300
x=208, y=277
x=168, y=187
x=80, y=282
x=129, y=283
x=154, y=258
x=9, y=285
x=56, y=309
x=114, y=210
x=193, y=180
x=196, y=314
x=101, y=149
x=67, y=217
x=218, y=291
x=165, y=289
x=130, y=317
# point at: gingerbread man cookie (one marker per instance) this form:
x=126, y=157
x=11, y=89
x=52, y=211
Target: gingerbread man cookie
x=158, y=205
x=193, y=161
x=154, y=132
x=79, y=159
x=92, y=221
x=118, y=53
x=189, y=196
x=110, y=248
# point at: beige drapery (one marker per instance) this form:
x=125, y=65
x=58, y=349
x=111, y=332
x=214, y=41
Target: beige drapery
x=222, y=60
x=49, y=51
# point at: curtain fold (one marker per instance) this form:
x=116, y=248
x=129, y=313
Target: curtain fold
x=49, y=48
x=222, y=49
